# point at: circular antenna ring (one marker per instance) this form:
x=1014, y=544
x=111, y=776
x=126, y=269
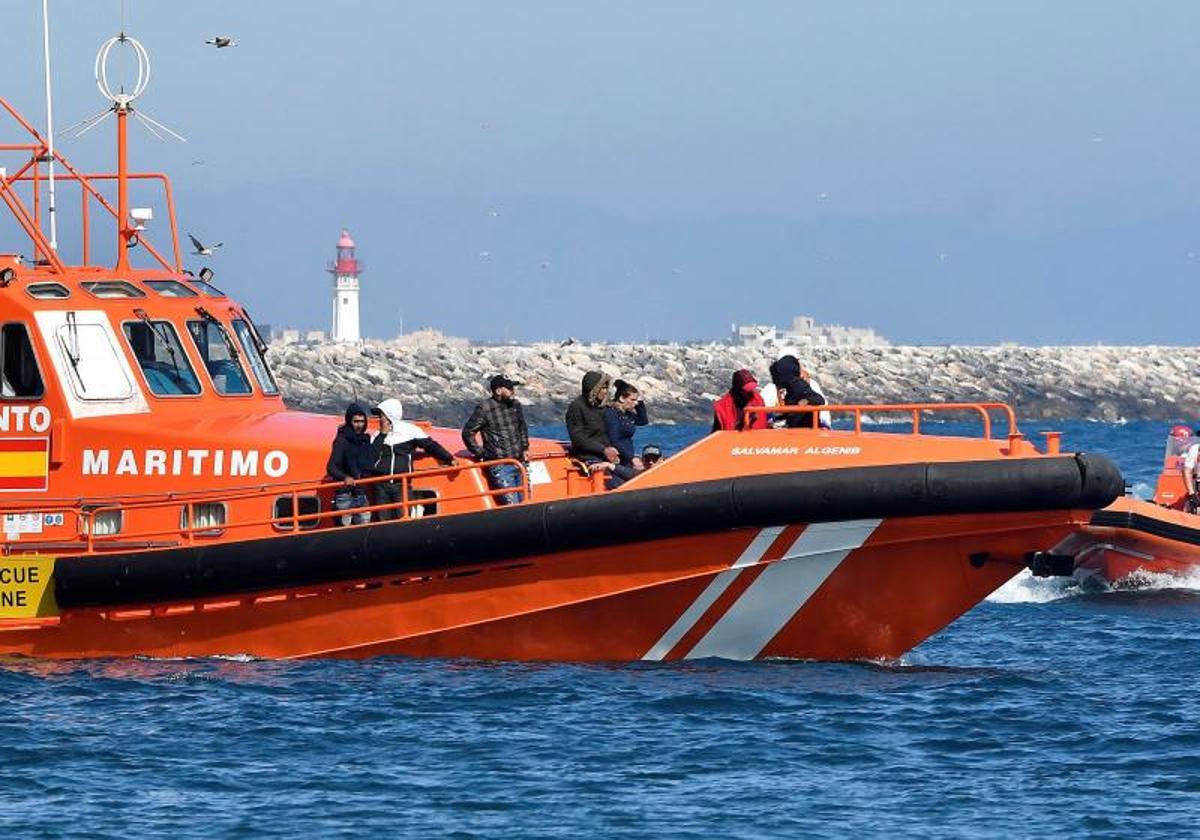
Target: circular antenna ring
x=122, y=100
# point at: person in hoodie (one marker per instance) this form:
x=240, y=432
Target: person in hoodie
x=794, y=389
x=585, y=421
x=621, y=420
x=729, y=410
x=395, y=446
x=352, y=458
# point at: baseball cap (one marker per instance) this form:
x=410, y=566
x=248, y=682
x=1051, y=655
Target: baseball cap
x=501, y=381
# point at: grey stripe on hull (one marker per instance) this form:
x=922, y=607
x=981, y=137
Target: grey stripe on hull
x=753, y=553
x=782, y=590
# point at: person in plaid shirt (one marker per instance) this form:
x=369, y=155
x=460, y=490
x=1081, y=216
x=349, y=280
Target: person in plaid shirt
x=500, y=422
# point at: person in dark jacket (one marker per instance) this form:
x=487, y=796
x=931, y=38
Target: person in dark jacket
x=795, y=390
x=395, y=446
x=585, y=421
x=729, y=410
x=500, y=421
x=353, y=457
x=621, y=419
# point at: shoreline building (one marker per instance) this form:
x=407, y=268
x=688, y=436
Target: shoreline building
x=806, y=332
x=345, y=270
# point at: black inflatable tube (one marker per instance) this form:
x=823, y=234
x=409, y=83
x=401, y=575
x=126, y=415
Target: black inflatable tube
x=612, y=519
x=1147, y=525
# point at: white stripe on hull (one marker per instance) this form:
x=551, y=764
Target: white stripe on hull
x=753, y=553
x=782, y=590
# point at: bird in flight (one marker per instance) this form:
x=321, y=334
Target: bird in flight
x=203, y=250
x=220, y=42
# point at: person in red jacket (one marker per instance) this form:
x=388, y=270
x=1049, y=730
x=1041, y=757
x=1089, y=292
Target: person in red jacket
x=728, y=412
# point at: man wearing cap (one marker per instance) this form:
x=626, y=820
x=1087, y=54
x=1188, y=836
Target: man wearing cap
x=500, y=422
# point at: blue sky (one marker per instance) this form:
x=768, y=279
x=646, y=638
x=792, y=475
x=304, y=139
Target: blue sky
x=941, y=171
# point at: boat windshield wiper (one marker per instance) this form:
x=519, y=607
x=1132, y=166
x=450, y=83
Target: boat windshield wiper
x=259, y=344
x=71, y=346
x=214, y=320
x=160, y=329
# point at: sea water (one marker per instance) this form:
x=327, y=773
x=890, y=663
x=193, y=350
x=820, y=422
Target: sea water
x=1047, y=711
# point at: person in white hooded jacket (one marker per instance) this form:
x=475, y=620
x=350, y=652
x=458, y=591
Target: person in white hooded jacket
x=395, y=447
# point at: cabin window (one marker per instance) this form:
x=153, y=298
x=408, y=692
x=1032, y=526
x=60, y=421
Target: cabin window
x=253, y=347
x=20, y=378
x=208, y=518
x=48, y=291
x=208, y=288
x=107, y=289
x=220, y=357
x=156, y=347
x=94, y=363
x=308, y=505
x=170, y=288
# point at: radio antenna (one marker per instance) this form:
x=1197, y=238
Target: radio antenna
x=49, y=123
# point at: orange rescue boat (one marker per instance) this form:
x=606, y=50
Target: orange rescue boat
x=1133, y=538
x=159, y=499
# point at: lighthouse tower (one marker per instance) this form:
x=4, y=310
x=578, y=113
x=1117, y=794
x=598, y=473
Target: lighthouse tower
x=345, y=270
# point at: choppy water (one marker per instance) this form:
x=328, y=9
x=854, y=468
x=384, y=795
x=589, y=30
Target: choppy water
x=1046, y=711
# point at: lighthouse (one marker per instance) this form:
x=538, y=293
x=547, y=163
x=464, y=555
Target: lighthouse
x=345, y=270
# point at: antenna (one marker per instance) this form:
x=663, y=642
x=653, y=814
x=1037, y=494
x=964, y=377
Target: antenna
x=122, y=106
x=49, y=122
x=122, y=102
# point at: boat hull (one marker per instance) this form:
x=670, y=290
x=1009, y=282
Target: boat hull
x=848, y=590
x=1133, y=538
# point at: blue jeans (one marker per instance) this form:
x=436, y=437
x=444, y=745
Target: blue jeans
x=505, y=475
x=352, y=497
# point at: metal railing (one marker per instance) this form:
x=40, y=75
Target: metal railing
x=85, y=513
x=915, y=410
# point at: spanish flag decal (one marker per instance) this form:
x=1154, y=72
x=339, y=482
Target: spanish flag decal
x=24, y=464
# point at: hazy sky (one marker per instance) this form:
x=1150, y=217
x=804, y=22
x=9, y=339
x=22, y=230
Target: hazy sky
x=941, y=171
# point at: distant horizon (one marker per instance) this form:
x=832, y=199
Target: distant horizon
x=944, y=175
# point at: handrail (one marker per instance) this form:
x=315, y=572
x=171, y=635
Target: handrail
x=189, y=533
x=916, y=409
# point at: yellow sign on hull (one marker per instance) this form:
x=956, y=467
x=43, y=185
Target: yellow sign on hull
x=27, y=586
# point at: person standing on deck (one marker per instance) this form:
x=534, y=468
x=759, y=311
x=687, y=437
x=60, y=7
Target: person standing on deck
x=500, y=422
x=351, y=458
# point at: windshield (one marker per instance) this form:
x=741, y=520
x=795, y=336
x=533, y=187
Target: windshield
x=220, y=357
x=247, y=339
x=156, y=347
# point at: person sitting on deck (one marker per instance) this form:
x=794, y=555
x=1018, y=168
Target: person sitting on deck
x=500, y=421
x=352, y=457
x=729, y=411
x=395, y=446
x=621, y=420
x=585, y=422
x=794, y=389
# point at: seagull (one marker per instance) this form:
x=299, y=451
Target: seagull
x=203, y=250
x=221, y=42
x=197, y=162
x=485, y=254
x=545, y=264
x=494, y=213
x=570, y=340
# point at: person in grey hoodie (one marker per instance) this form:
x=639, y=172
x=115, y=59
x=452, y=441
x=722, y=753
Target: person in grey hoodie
x=395, y=446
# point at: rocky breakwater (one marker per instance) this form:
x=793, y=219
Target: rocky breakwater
x=441, y=382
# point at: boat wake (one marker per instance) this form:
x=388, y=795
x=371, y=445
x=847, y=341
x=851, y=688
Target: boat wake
x=1027, y=589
